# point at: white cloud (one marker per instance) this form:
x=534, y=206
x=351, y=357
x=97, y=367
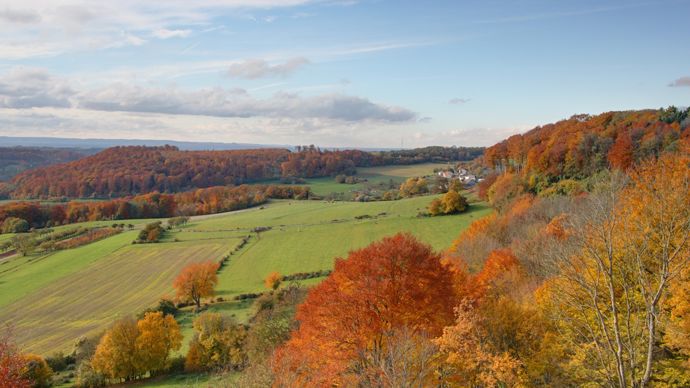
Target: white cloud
x=164, y=33
x=30, y=88
x=77, y=25
x=259, y=68
x=458, y=101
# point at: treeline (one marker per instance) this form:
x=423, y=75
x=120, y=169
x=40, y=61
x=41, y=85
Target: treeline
x=123, y=171
x=583, y=145
x=14, y=160
x=155, y=205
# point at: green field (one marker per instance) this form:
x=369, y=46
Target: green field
x=378, y=179
x=56, y=298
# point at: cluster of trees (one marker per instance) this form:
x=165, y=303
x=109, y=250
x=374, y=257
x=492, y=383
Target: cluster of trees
x=451, y=202
x=584, y=145
x=15, y=216
x=48, y=240
x=123, y=171
x=21, y=370
x=131, y=349
x=151, y=233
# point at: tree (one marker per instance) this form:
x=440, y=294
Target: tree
x=469, y=357
x=15, y=225
x=272, y=281
x=623, y=250
x=116, y=356
x=196, y=281
x=159, y=335
x=453, y=202
x=11, y=362
x=396, y=283
x=37, y=371
x=217, y=343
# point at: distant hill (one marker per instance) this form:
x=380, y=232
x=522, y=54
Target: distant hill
x=57, y=142
x=124, y=171
x=14, y=160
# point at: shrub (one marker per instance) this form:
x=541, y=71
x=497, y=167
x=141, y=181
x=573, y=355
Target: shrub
x=87, y=377
x=15, y=225
x=37, y=371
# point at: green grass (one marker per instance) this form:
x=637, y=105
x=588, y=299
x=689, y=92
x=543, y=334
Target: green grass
x=84, y=302
x=379, y=179
x=54, y=299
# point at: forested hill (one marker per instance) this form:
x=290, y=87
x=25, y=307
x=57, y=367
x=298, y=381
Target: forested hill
x=122, y=171
x=14, y=160
x=584, y=145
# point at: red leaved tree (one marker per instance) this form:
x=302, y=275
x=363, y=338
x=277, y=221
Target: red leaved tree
x=397, y=283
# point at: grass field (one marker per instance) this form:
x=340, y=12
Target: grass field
x=377, y=178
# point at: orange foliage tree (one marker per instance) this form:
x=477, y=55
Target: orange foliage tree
x=11, y=362
x=196, y=281
x=272, y=281
x=397, y=283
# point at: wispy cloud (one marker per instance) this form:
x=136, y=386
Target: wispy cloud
x=259, y=68
x=680, y=82
x=164, y=33
x=458, y=101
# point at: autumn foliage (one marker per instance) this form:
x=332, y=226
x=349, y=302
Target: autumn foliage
x=130, y=349
x=12, y=364
x=392, y=284
x=196, y=281
x=154, y=205
x=125, y=171
x=583, y=145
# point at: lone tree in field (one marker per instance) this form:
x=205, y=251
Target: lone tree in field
x=196, y=281
x=272, y=281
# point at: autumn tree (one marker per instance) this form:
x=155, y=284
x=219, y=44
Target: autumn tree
x=116, y=355
x=196, y=281
x=396, y=283
x=159, y=335
x=12, y=363
x=624, y=250
x=217, y=343
x=37, y=371
x=272, y=281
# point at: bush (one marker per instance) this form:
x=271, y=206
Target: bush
x=59, y=362
x=37, y=371
x=15, y=225
x=87, y=377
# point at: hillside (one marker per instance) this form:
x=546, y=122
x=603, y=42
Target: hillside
x=122, y=171
x=14, y=160
x=583, y=145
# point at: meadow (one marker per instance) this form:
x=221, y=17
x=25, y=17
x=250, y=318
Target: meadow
x=377, y=179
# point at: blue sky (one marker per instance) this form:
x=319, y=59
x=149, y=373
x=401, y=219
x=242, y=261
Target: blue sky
x=334, y=73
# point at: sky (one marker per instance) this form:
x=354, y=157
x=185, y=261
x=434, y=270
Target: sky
x=335, y=73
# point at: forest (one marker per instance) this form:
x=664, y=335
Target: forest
x=123, y=171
